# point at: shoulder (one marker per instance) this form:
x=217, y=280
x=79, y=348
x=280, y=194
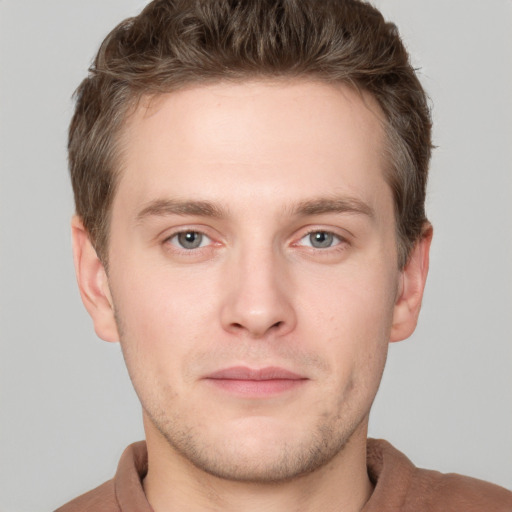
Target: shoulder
x=124, y=492
x=456, y=492
x=101, y=499
x=400, y=486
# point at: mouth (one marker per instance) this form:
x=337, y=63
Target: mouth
x=255, y=383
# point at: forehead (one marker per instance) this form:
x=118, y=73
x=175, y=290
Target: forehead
x=303, y=137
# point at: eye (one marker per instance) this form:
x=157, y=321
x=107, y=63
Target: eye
x=320, y=240
x=189, y=240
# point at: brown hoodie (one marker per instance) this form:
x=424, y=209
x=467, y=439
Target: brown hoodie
x=399, y=487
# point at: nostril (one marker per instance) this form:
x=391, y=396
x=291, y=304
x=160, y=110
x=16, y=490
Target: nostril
x=237, y=326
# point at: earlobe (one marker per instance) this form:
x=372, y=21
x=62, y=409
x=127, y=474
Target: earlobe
x=93, y=283
x=411, y=287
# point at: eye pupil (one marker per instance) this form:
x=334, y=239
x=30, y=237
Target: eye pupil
x=190, y=239
x=321, y=239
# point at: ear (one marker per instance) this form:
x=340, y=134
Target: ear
x=411, y=286
x=93, y=283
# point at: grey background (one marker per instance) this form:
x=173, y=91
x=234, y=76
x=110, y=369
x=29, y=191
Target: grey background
x=67, y=409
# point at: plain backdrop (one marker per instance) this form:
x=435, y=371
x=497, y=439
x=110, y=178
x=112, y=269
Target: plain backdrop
x=67, y=408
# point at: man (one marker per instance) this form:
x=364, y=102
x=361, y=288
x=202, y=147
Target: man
x=249, y=181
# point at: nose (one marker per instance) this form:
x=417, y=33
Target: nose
x=258, y=298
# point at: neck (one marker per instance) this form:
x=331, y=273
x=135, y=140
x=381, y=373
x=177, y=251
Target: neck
x=173, y=483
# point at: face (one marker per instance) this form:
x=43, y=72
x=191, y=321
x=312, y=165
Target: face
x=253, y=272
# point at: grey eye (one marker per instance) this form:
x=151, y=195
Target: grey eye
x=190, y=239
x=321, y=239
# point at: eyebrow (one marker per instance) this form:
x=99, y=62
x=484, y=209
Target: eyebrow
x=163, y=207
x=333, y=205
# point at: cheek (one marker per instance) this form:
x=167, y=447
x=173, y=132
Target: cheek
x=161, y=321
x=159, y=300
x=352, y=313
x=355, y=303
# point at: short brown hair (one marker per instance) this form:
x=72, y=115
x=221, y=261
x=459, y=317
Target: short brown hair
x=174, y=43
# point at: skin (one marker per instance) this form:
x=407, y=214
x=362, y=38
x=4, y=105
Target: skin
x=281, y=185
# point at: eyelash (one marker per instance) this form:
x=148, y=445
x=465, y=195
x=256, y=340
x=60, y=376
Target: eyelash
x=169, y=240
x=338, y=242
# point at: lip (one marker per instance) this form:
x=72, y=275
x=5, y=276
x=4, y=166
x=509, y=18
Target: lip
x=257, y=374
x=255, y=382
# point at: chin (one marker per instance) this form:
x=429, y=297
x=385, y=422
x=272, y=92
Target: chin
x=259, y=453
